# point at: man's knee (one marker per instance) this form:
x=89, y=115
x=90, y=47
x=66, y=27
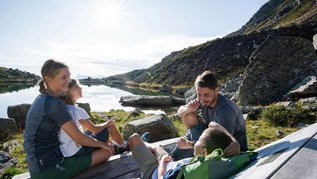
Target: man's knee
x=191, y=119
x=213, y=125
x=134, y=140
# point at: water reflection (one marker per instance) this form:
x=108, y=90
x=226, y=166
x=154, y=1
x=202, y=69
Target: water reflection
x=100, y=97
x=11, y=87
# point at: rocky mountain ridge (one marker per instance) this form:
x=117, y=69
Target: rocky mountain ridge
x=292, y=25
x=9, y=75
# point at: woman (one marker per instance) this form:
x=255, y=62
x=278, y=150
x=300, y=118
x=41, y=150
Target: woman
x=44, y=120
x=101, y=131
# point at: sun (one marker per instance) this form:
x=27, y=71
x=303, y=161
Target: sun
x=108, y=13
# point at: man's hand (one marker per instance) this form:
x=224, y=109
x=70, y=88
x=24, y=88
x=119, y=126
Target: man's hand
x=193, y=106
x=183, y=143
x=232, y=149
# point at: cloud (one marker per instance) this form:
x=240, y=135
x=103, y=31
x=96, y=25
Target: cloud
x=105, y=59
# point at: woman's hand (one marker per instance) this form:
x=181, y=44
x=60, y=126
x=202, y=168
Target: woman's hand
x=108, y=147
x=109, y=123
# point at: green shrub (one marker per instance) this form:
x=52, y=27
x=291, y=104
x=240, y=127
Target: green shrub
x=278, y=115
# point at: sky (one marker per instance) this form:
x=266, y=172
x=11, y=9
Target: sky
x=100, y=38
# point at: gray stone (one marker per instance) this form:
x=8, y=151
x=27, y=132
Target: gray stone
x=311, y=100
x=8, y=128
x=18, y=113
x=177, y=100
x=160, y=127
x=181, y=91
x=145, y=100
x=304, y=89
x=6, y=161
x=166, y=89
x=315, y=41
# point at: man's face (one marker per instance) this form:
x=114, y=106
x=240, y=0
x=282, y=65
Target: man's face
x=207, y=96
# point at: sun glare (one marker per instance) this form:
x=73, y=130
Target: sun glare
x=108, y=13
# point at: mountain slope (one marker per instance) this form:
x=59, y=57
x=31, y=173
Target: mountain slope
x=228, y=57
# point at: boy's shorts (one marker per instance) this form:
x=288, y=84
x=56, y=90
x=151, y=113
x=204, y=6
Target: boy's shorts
x=69, y=167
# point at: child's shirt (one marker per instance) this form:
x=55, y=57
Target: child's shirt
x=68, y=146
x=172, y=168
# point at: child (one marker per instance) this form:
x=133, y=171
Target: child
x=80, y=117
x=155, y=162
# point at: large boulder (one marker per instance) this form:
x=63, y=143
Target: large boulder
x=146, y=101
x=160, y=127
x=275, y=68
x=18, y=113
x=305, y=89
x=8, y=128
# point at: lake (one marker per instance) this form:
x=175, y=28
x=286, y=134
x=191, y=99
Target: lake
x=101, y=98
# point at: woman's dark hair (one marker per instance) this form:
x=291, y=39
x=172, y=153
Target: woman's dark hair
x=67, y=97
x=206, y=79
x=49, y=69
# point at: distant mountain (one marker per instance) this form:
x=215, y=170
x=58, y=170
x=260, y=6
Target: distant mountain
x=281, y=31
x=9, y=75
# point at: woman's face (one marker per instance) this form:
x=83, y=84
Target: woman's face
x=59, y=83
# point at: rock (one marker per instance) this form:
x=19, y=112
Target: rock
x=160, y=127
x=315, y=41
x=190, y=95
x=311, y=100
x=181, y=91
x=145, y=100
x=18, y=113
x=166, y=89
x=279, y=133
x=274, y=69
x=255, y=113
x=10, y=146
x=85, y=106
x=245, y=109
x=177, y=100
x=6, y=161
x=8, y=128
x=306, y=88
x=135, y=113
x=287, y=104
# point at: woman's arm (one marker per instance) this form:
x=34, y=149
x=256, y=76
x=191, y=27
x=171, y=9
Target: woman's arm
x=96, y=128
x=71, y=129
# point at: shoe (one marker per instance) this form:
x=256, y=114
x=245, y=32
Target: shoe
x=120, y=150
x=146, y=136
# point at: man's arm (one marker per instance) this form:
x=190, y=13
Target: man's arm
x=234, y=147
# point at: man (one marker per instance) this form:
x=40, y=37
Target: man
x=210, y=106
x=155, y=162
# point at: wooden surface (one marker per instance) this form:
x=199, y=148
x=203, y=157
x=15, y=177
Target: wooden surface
x=273, y=159
x=122, y=166
x=294, y=156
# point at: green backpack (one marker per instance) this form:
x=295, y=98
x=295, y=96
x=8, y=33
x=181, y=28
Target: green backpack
x=215, y=165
